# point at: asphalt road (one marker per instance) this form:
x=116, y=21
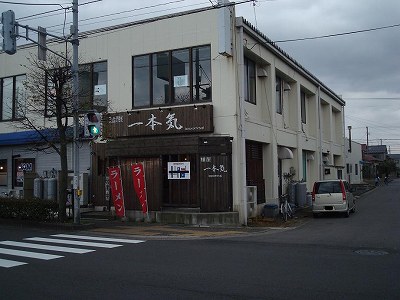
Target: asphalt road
x=326, y=258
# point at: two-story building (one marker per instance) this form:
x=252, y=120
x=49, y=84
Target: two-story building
x=205, y=101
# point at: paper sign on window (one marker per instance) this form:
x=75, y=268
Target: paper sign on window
x=181, y=81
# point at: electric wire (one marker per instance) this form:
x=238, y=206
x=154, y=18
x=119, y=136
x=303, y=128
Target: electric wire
x=337, y=34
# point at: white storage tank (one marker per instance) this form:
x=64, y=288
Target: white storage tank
x=38, y=188
x=52, y=189
x=45, y=188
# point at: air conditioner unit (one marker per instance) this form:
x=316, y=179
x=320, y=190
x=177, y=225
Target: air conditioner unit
x=251, y=201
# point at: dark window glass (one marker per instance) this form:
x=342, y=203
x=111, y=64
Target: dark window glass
x=141, y=80
x=161, y=78
x=328, y=187
x=7, y=99
x=278, y=97
x=100, y=86
x=181, y=75
x=20, y=96
x=250, y=81
x=3, y=172
x=12, y=97
x=201, y=57
x=303, y=107
x=85, y=87
x=178, y=76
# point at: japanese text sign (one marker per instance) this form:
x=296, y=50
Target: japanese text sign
x=139, y=183
x=117, y=192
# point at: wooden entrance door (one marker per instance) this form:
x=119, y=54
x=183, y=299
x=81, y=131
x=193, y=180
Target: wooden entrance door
x=180, y=192
x=254, y=168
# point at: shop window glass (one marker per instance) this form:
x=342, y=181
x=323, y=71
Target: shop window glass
x=3, y=172
x=178, y=76
x=279, y=95
x=161, y=78
x=201, y=57
x=181, y=76
x=99, y=85
x=141, y=80
x=7, y=99
x=250, y=80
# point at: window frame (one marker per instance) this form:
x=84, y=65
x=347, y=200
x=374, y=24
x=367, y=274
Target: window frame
x=4, y=172
x=91, y=94
x=15, y=115
x=250, y=90
x=194, y=90
x=303, y=106
x=278, y=91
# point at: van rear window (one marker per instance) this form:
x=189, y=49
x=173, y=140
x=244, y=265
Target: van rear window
x=327, y=187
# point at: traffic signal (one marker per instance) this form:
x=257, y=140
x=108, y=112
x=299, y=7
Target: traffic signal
x=92, y=124
x=9, y=32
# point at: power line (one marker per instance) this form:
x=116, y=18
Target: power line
x=35, y=16
x=31, y=4
x=337, y=34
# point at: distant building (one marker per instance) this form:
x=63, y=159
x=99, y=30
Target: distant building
x=353, y=156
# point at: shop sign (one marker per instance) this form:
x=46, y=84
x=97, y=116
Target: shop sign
x=213, y=170
x=178, y=170
x=139, y=184
x=161, y=121
x=117, y=192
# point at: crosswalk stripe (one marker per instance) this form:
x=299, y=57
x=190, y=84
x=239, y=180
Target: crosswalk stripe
x=97, y=238
x=46, y=247
x=5, y=263
x=29, y=254
x=69, y=242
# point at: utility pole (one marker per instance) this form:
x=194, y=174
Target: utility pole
x=75, y=44
x=367, y=138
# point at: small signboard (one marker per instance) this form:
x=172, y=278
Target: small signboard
x=178, y=170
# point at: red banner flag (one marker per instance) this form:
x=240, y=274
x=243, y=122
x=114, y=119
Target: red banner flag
x=139, y=183
x=117, y=192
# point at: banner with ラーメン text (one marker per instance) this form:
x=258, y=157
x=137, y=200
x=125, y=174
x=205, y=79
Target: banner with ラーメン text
x=117, y=192
x=139, y=183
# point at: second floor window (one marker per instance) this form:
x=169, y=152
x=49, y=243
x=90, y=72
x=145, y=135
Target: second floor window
x=172, y=77
x=279, y=95
x=303, y=105
x=92, y=88
x=249, y=81
x=12, y=98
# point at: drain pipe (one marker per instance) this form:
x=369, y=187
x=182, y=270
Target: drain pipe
x=321, y=164
x=241, y=121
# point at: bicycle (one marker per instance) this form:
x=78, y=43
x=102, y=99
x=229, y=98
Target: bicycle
x=285, y=209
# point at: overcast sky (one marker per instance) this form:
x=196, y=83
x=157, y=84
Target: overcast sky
x=364, y=68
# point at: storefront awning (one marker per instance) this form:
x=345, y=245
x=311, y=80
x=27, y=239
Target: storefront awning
x=28, y=137
x=285, y=153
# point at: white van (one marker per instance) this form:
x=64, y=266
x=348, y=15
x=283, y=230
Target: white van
x=332, y=196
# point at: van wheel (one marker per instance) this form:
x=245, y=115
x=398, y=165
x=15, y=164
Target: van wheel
x=347, y=213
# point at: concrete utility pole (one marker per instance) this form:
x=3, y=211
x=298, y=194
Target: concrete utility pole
x=75, y=68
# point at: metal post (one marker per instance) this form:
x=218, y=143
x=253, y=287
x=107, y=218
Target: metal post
x=75, y=90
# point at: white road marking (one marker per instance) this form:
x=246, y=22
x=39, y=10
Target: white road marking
x=46, y=247
x=69, y=242
x=5, y=263
x=29, y=254
x=97, y=238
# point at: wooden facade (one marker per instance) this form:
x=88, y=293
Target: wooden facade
x=209, y=187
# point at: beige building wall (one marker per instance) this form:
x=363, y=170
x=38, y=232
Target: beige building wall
x=317, y=145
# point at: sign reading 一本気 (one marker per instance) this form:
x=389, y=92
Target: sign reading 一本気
x=161, y=121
